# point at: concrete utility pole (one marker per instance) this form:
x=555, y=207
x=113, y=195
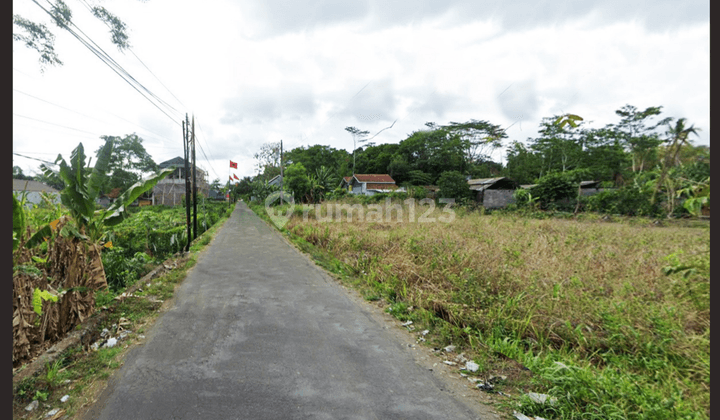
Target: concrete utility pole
x=194, y=183
x=186, y=149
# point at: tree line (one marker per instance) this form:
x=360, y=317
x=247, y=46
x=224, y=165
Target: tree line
x=648, y=160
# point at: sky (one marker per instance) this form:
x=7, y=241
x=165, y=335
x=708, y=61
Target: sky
x=252, y=72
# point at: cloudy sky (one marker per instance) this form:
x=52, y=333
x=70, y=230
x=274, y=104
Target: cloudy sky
x=257, y=71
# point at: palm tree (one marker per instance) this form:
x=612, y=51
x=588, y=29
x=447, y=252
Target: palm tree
x=677, y=137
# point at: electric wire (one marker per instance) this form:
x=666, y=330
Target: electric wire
x=107, y=60
x=59, y=125
x=90, y=9
x=28, y=157
x=118, y=69
x=96, y=119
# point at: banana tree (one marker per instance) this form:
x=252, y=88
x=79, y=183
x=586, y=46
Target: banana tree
x=74, y=258
x=82, y=189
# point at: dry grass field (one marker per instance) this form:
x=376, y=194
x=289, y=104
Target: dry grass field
x=611, y=318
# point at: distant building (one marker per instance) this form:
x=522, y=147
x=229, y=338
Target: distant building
x=276, y=180
x=34, y=190
x=345, y=183
x=171, y=189
x=493, y=192
x=371, y=184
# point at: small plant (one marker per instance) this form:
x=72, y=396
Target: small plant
x=52, y=372
x=41, y=395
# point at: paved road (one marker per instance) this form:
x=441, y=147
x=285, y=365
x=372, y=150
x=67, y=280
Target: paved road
x=259, y=332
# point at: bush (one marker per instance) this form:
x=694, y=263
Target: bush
x=337, y=193
x=121, y=271
x=417, y=193
x=629, y=201
x=552, y=188
x=454, y=185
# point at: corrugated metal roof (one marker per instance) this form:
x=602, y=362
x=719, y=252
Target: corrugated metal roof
x=589, y=184
x=27, y=185
x=176, y=161
x=482, y=184
x=484, y=180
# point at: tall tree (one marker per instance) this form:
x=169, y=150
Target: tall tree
x=677, y=136
x=358, y=136
x=523, y=165
x=268, y=160
x=38, y=37
x=314, y=157
x=128, y=162
x=18, y=173
x=478, y=138
x=637, y=133
x=374, y=159
x=560, y=147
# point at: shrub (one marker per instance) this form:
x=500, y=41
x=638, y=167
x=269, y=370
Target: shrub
x=454, y=185
x=121, y=271
x=630, y=201
x=417, y=193
x=553, y=187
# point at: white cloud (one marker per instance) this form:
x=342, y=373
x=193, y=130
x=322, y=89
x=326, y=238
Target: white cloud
x=254, y=72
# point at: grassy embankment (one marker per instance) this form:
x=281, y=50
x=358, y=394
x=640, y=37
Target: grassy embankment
x=611, y=318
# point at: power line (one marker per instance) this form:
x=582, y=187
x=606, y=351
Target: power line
x=90, y=9
x=203, y=152
x=87, y=116
x=28, y=157
x=107, y=60
x=59, y=125
x=60, y=106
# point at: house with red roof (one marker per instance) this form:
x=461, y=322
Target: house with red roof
x=370, y=184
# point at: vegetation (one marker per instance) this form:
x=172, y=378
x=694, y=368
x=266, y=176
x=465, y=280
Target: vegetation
x=128, y=162
x=82, y=373
x=64, y=254
x=612, y=319
x=646, y=164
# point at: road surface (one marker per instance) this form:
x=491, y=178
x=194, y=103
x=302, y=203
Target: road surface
x=257, y=331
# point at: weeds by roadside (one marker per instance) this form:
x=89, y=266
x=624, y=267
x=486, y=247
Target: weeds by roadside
x=80, y=372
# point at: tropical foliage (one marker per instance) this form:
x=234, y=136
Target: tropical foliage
x=64, y=257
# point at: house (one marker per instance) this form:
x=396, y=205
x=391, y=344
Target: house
x=590, y=187
x=216, y=195
x=493, y=192
x=276, y=181
x=345, y=183
x=171, y=189
x=371, y=184
x=34, y=190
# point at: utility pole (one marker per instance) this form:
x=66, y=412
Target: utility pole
x=281, y=173
x=186, y=149
x=194, y=182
